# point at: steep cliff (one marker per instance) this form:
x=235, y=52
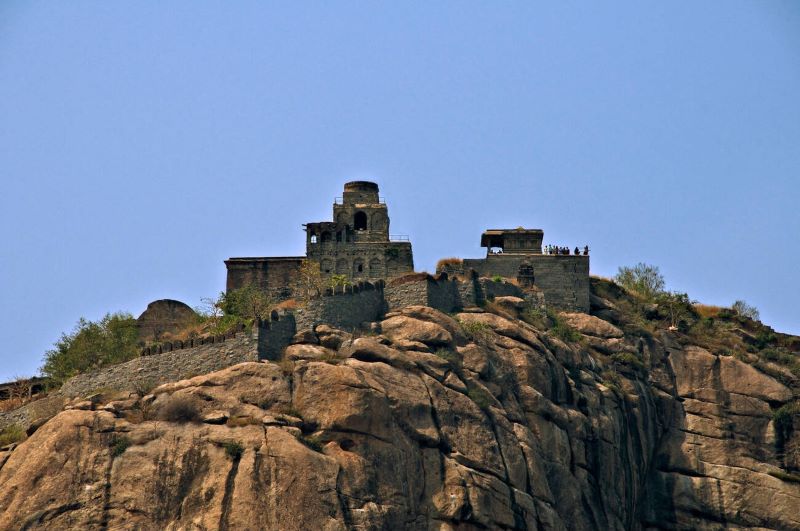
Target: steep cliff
x=479, y=420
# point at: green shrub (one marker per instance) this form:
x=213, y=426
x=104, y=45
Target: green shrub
x=143, y=387
x=180, y=409
x=476, y=330
x=783, y=419
x=764, y=339
x=642, y=279
x=111, y=340
x=118, y=445
x=562, y=330
x=613, y=381
x=451, y=357
x=233, y=449
x=11, y=434
x=677, y=308
x=478, y=395
x=338, y=280
x=497, y=278
x=534, y=316
x=248, y=303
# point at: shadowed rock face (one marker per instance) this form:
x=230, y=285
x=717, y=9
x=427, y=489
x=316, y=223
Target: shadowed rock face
x=431, y=425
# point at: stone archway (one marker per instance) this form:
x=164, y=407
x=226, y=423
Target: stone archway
x=360, y=220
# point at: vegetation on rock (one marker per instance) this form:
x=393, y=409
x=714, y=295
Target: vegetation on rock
x=11, y=434
x=642, y=279
x=92, y=344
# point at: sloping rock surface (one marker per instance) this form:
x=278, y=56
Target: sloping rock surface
x=490, y=424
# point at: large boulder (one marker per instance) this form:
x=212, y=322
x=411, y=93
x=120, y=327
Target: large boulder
x=404, y=328
x=591, y=326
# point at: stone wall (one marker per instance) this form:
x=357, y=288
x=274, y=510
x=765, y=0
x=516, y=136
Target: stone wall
x=146, y=371
x=167, y=366
x=275, y=334
x=564, y=279
x=362, y=260
x=489, y=289
x=274, y=275
x=344, y=307
x=446, y=294
x=169, y=362
x=438, y=292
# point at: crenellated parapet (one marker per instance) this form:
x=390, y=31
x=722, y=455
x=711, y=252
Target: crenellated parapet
x=345, y=306
x=178, y=344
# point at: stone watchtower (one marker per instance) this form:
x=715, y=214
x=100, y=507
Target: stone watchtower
x=357, y=243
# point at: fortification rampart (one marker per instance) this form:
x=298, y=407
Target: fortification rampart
x=274, y=334
x=438, y=292
x=343, y=307
x=448, y=294
x=146, y=371
x=564, y=279
x=169, y=362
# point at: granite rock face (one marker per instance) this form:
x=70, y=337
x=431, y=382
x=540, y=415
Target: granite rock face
x=473, y=421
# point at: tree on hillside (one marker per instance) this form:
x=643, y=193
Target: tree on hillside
x=248, y=303
x=92, y=344
x=745, y=310
x=642, y=279
x=310, y=279
x=677, y=307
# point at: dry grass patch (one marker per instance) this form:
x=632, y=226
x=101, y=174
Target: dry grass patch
x=708, y=310
x=448, y=261
x=180, y=409
x=288, y=304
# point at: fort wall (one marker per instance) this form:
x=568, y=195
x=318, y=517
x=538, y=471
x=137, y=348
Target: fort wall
x=446, y=294
x=148, y=370
x=168, y=362
x=423, y=289
x=275, y=334
x=344, y=307
x=273, y=275
x=564, y=279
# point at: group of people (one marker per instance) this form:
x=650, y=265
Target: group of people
x=555, y=249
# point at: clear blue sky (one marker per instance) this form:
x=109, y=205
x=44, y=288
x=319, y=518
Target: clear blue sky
x=142, y=143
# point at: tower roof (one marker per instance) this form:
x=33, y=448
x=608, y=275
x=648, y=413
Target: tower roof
x=494, y=237
x=361, y=186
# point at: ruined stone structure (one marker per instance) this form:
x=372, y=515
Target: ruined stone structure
x=355, y=244
x=164, y=316
x=517, y=254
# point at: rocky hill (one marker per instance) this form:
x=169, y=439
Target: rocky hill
x=495, y=418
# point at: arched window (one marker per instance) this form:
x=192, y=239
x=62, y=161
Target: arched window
x=327, y=266
x=313, y=238
x=326, y=236
x=342, y=267
x=358, y=267
x=360, y=221
x=339, y=236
